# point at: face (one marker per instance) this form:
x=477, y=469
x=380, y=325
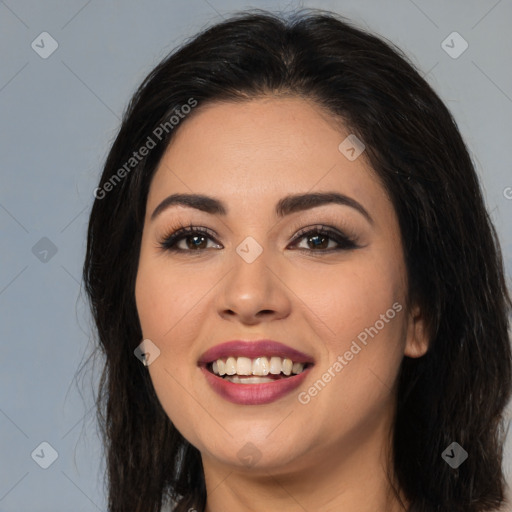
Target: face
x=324, y=278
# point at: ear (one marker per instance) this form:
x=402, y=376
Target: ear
x=417, y=342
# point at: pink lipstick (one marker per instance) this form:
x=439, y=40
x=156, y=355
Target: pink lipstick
x=254, y=372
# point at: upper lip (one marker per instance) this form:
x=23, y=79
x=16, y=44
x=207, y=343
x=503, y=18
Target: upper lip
x=253, y=349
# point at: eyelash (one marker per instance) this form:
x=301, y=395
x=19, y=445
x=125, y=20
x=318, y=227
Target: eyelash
x=182, y=232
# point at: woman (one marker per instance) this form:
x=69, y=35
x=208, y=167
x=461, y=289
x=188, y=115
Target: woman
x=295, y=283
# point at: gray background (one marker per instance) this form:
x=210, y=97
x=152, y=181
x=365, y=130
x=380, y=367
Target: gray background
x=58, y=117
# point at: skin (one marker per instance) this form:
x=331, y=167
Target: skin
x=332, y=453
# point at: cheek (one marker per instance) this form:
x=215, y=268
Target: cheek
x=165, y=303
x=359, y=314
x=167, y=298
x=344, y=300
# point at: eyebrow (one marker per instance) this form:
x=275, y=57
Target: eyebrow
x=285, y=206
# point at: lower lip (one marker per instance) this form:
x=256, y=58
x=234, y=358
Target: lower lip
x=254, y=394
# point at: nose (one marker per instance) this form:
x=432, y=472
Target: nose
x=253, y=292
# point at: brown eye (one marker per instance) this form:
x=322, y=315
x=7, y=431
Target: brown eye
x=196, y=238
x=318, y=240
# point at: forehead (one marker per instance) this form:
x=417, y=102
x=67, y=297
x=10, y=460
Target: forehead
x=258, y=150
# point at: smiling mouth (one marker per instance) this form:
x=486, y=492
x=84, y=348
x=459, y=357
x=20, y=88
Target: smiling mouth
x=244, y=370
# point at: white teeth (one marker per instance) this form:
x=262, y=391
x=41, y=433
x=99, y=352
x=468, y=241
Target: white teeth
x=230, y=367
x=275, y=365
x=287, y=366
x=243, y=366
x=249, y=380
x=297, y=367
x=260, y=366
